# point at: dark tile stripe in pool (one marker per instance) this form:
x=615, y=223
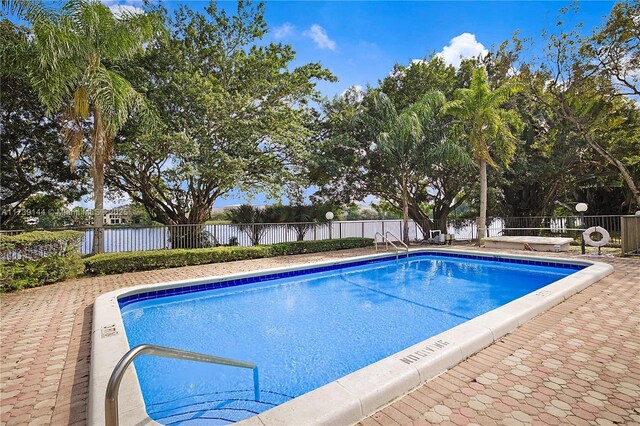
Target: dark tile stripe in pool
x=124, y=301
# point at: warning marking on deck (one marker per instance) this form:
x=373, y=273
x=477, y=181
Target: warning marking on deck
x=426, y=351
x=109, y=330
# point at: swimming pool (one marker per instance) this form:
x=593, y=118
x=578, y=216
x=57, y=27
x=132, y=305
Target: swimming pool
x=330, y=326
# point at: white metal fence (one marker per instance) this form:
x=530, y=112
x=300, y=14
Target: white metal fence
x=140, y=238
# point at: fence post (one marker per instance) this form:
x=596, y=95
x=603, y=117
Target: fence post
x=382, y=226
x=630, y=234
x=363, y=229
x=253, y=234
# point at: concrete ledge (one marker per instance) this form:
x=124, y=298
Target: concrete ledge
x=553, y=244
x=328, y=405
x=359, y=394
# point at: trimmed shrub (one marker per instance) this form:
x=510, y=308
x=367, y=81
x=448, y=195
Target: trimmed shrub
x=116, y=263
x=300, y=247
x=35, y=258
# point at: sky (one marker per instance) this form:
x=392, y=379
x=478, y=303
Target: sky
x=360, y=41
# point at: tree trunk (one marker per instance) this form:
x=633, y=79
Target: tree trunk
x=441, y=217
x=98, y=216
x=405, y=211
x=420, y=218
x=482, y=222
x=99, y=146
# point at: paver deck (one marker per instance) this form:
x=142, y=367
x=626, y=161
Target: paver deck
x=578, y=363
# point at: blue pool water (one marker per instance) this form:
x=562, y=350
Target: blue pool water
x=308, y=330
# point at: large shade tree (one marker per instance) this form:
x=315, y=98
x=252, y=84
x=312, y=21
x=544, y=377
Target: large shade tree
x=591, y=84
x=72, y=51
x=347, y=165
x=490, y=128
x=235, y=114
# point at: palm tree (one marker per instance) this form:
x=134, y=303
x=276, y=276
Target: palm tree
x=73, y=50
x=403, y=139
x=489, y=128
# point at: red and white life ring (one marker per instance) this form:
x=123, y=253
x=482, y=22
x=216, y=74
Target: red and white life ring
x=600, y=230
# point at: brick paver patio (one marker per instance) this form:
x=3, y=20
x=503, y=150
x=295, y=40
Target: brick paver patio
x=578, y=363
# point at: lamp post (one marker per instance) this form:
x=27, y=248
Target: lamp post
x=581, y=208
x=329, y=216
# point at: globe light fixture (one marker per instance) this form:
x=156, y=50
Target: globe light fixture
x=329, y=216
x=581, y=208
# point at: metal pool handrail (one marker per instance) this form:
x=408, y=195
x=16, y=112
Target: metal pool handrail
x=398, y=240
x=111, y=397
x=387, y=241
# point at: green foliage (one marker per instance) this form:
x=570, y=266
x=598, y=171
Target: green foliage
x=72, y=48
x=115, y=263
x=36, y=244
x=250, y=219
x=492, y=129
x=405, y=85
x=300, y=247
x=299, y=217
x=32, y=155
x=490, y=125
x=70, y=62
x=614, y=50
x=139, y=214
x=357, y=158
x=588, y=84
x=256, y=221
x=35, y=258
x=235, y=114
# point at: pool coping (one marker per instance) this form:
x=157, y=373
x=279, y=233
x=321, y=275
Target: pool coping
x=358, y=394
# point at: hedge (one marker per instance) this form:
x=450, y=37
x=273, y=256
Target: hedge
x=299, y=247
x=35, y=258
x=115, y=263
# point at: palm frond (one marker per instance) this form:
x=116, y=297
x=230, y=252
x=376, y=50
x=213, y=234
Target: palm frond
x=457, y=108
x=29, y=10
x=503, y=93
x=429, y=106
x=114, y=96
x=453, y=154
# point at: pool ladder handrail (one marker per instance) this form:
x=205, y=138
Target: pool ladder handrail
x=387, y=241
x=113, y=387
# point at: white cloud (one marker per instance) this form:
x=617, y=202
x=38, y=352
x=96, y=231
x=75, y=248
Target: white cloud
x=283, y=31
x=118, y=7
x=320, y=37
x=461, y=47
